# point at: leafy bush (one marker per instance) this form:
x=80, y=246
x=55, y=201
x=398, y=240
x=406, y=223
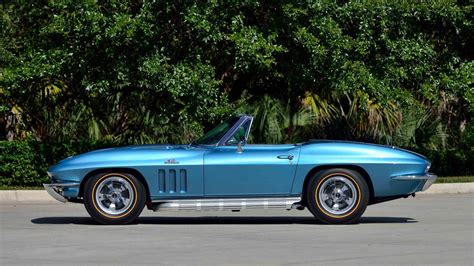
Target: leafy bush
x=148, y=71
x=451, y=162
x=128, y=71
x=24, y=163
x=21, y=164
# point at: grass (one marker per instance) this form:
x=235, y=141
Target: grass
x=4, y=187
x=442, y=179
x=455, y=179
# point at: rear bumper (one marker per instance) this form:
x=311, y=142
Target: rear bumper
x=429, y=177
x=56, y=190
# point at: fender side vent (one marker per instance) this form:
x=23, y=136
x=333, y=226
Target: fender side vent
x=172, y=181
x=183, y=180
x=161, y=181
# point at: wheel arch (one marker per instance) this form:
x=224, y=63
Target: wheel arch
x=130, y=171
x=356, y=168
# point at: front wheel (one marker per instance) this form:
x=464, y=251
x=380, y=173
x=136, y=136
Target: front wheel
x=337, y=196
x=114, y=198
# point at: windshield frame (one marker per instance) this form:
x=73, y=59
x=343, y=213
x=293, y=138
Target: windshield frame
x=222, y=142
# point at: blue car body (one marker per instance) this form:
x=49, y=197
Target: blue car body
x=244, y=170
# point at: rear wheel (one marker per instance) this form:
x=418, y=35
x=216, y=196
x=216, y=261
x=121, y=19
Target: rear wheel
x=337, y=196
x=114, y=198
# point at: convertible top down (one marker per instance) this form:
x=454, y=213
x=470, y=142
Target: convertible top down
x=335, y=180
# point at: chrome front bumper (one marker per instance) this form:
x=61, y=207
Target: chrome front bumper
x=56, y=190
x=429, y=177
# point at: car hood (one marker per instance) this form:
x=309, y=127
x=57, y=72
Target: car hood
x=154, y=154
x=145, y=147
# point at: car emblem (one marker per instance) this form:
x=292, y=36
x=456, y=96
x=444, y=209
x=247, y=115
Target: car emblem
x=171, y=161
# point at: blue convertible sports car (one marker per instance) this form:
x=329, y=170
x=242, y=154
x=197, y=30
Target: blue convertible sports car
x=335, y=180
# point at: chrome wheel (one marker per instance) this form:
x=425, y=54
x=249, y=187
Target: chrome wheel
x=337, y=195
x=114, y=195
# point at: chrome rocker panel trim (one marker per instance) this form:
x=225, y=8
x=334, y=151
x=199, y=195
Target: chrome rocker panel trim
x=234, y=204
x=55, y=190
x=429, y=177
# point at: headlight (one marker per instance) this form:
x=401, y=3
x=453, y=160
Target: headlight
x=428, y=166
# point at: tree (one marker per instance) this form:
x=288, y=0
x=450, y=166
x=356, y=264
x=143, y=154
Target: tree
x=146, y=71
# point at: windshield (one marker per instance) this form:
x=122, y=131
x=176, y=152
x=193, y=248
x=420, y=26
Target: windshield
x=216, y=134
x=240, y=134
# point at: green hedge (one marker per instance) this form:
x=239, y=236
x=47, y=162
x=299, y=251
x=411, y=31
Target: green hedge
x=24, y=163
x=451, y=162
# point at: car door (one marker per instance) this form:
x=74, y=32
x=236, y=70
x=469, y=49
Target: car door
x=254, y=170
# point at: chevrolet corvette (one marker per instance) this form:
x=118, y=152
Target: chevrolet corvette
x=335, y=180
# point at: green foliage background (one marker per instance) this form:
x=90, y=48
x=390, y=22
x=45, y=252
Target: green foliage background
x=125, y=72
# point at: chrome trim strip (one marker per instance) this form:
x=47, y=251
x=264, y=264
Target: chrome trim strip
x=55, y=190
x=429, y=177
x=248, y=130
x=227, y=204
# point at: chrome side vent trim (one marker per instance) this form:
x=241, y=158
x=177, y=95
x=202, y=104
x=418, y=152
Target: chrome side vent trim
x=161, y=181
x=172, y=181
x=183, y=181
x=172, y=178
x=227, y=204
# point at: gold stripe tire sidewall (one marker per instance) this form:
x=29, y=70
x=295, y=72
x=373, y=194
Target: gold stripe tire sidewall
x=94, y=203
x=353, y=215
x=100, y=216
x=330, y=214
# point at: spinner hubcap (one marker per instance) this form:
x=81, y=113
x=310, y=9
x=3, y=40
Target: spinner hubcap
x=114, y=195
x=337, y=195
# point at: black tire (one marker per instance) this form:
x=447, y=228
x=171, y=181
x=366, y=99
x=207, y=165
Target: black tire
x=349, y=186
x=97, y=208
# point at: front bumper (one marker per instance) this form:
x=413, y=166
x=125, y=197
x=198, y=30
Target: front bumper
x=429, y=177
x=56, y=190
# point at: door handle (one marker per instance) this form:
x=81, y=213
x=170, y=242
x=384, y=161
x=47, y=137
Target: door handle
x=288, y=157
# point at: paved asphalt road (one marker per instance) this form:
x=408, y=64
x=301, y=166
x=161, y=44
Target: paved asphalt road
x=434, y=229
